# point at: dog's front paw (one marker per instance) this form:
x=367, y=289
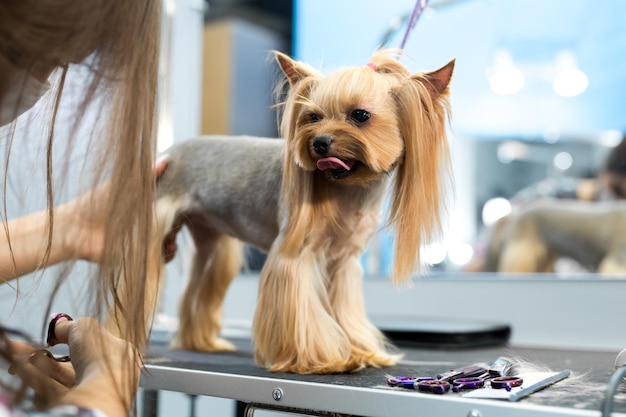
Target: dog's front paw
x=380, y=359
x=305, y=366
x=200, y=344
x=331, y=362
x=354, y=364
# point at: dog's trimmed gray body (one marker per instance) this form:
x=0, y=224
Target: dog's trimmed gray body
x=229, y=184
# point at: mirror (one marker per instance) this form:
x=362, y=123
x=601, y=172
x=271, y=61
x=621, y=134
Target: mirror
x=537, y=101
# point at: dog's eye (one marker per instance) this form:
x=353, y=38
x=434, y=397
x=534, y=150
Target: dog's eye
x=314, y=118
x=360, y=116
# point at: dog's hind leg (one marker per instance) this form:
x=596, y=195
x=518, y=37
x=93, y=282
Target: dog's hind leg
x=217, y=261
x=524, y=249
x=369, y=346
x=494, y=245
x=524, y=255
x=614, y=262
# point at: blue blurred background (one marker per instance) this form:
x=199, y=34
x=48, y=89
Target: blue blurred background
x=538, y=38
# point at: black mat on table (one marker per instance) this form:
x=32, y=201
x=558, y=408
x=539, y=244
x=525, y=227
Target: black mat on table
x=584, y=389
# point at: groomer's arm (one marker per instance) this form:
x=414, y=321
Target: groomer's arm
x=78, y=233
x=74, y=237
x=24, y=253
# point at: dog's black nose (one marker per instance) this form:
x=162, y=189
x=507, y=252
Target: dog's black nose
x=321, y=144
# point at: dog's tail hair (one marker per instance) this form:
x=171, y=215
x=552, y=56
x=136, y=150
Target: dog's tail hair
x=421, y=180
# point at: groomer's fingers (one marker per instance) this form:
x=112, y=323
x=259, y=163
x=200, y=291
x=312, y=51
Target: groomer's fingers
x=169, y=246
x=90, y=343
x=61, y=329
x=160, y=165
x=169, y=243
x=51, y=339
x=48, y=379
x=40, y=382
x=63, y=372
x=21, y=351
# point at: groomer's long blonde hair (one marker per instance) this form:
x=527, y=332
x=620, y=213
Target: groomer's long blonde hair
x=117, y=41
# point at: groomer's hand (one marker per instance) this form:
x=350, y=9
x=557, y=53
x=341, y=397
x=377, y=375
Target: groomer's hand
x=48, y=378
x=81, y=221
x=107, y=368
x=103, y=373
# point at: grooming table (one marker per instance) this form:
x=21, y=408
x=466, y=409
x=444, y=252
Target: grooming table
x=234, y=375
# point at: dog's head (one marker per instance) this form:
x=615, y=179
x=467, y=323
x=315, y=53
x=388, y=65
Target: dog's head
x=357, y=125
x=351, y=124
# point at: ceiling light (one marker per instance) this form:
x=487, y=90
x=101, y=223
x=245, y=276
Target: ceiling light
x=494, y=209
x=569, y=80
x=505, y=79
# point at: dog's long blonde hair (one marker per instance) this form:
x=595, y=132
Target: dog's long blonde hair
x=419, y=198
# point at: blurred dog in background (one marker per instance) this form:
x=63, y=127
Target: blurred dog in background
x=578, y=220
x=533, y=238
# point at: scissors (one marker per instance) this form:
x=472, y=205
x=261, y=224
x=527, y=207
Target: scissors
x=461, y=378
x=464, y=378
x=506, y=382
x=409, y=382
x=470, y=371
x=435, y=386
x=468, y=383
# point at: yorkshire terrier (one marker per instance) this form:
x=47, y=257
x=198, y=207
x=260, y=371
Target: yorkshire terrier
x=533, y=238
x=311, y=201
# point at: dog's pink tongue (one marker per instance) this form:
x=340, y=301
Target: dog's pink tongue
x=333, y=163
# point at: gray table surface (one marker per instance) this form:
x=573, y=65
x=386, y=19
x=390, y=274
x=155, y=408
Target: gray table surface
x=235, y=375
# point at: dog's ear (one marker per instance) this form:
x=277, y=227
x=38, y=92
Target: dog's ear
x=293, y=70
x=438, y=81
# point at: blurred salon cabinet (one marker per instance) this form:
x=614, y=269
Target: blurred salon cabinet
x=239, y=77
